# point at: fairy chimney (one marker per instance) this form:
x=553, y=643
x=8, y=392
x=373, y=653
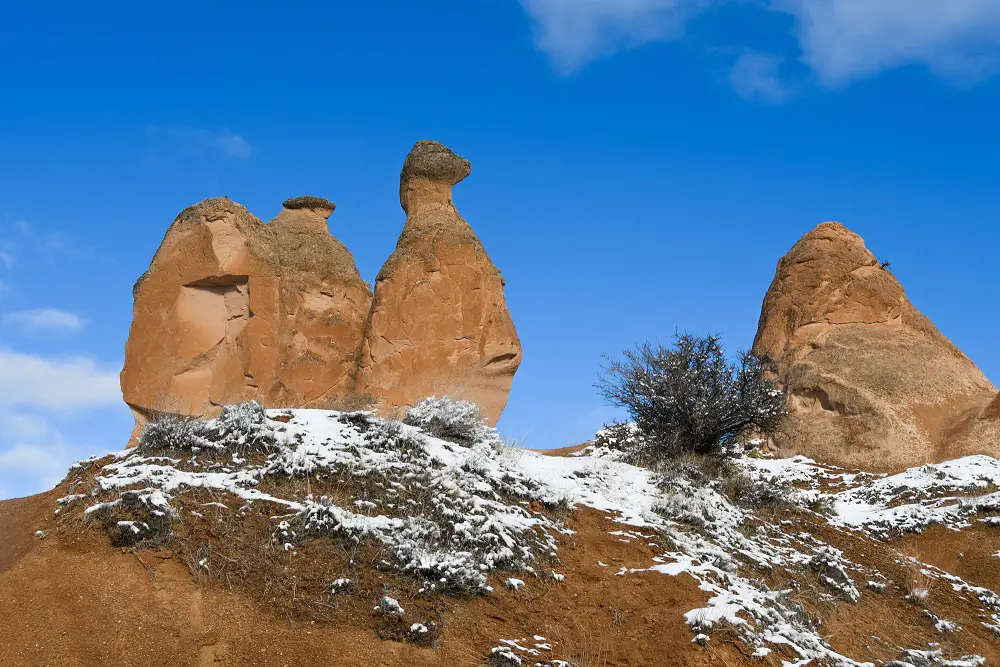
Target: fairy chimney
x=871, y=382
x=439, y=323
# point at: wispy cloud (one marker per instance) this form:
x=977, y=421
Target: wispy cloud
x=840, y=40
x=757, y=76
x=573, y=32
x=70, y=384
x=26, y=243
x=44, y=464
x=44, y=399
x=34, y=454
x=221, y=142
x=46, y=319
x=843, y=40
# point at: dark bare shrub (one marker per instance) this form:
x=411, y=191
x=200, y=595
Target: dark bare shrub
x=690, y=398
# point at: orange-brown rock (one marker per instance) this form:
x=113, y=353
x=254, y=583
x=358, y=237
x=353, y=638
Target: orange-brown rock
x=978, y=433
x=439, y=322
x=992, y=411
x=232, y=309
x=871, y=382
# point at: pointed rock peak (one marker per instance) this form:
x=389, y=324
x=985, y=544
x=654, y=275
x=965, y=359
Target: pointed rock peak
x=832, y=230
x=833, y=245
x=317, y=204
x=429, y=173
x=871, y=382
x=830, y=278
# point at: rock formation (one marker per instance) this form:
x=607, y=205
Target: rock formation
x=439, y=322
x=324, y=305
x=871, y=382
x=232, y=310
x=978, y=433
x=992, y=411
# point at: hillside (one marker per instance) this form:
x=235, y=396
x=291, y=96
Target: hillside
x=292, y=537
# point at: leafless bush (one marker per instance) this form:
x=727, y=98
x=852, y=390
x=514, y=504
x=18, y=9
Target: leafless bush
x=689, y=398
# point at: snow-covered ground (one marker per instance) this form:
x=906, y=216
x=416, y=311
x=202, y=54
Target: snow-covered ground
x=452, y=512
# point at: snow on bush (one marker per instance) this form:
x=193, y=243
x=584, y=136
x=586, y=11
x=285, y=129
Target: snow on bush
x=934, y=658
x=443, y=512
x=449, y=419
x=135, y=517
x=240, y=428
x=503, y=656
x=388, y=606
x=828, y=561
x=453, y=513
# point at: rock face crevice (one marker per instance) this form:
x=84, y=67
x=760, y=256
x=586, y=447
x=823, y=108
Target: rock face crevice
x=234, y=309
x=871, y=382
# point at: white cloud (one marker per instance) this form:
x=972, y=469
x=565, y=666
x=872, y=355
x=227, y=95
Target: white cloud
x=843, y=40
x=18, y=425
x=574, y=32
x=199, y=139
x=43, y=399
x=27, y=458
x=840, y=40
x=757, y=76
x=49, y=319
x=33, y=455
x=75, y=383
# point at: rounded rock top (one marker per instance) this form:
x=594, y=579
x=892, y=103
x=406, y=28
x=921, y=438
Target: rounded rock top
x=316, y=203
x=436, y=162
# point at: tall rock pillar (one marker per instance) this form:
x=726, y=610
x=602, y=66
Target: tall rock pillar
x=439, y=323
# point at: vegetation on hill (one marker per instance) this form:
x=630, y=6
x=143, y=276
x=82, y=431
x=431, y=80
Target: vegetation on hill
x=688, y=398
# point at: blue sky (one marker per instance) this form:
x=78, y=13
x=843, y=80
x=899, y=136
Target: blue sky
x=639, y=166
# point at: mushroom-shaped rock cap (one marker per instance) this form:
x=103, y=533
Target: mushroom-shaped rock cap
x=315, y=203
x=435, y=162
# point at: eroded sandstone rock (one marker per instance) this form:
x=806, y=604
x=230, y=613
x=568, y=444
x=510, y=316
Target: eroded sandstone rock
x=871, y=382
x=233, y=310
x=992, y=410
x=323, y=305
x=439, y=322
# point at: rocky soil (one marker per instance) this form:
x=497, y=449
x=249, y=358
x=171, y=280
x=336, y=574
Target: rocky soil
x=289, y=536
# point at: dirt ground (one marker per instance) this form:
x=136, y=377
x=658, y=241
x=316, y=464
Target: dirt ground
x=76, y=601
x=71, y=599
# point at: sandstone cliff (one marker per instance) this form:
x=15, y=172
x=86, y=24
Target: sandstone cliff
x=871, y=382
x=439, y=322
